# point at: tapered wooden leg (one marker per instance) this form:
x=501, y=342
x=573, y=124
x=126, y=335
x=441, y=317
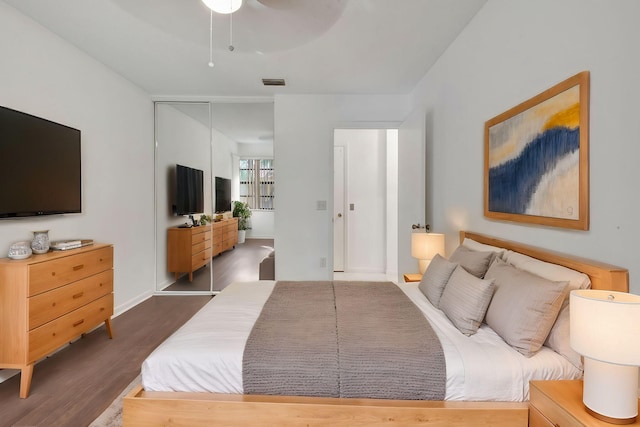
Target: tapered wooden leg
x=107, y=323
x=25, y=380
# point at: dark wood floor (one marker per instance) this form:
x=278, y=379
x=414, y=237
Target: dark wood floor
x=73, y=387
x=239, y=264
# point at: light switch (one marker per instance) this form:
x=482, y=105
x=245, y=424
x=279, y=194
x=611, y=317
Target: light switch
x=351, y=207
x=321, y=205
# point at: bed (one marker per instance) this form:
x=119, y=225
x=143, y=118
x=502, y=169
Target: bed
x=466, y=404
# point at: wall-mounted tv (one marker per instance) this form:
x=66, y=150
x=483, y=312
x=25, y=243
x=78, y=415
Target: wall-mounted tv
x=40, y=166
x=189, y=198
x=223, y=194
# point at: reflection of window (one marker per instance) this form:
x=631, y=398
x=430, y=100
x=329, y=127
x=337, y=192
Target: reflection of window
x=257, y=183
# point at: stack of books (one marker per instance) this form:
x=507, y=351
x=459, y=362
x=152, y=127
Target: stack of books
x=63, y=245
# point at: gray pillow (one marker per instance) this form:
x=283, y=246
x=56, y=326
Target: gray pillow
x=524, y=306
x=435, y=278
x=475, y=262
x=465, y=300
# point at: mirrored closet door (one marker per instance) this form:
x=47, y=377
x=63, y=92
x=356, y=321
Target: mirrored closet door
x=183, y=190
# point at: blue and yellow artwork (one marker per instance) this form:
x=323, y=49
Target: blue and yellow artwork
x=534, y=160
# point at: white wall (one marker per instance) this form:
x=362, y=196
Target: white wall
x=47, y=77
x=303, y=147
x=411, y=186
x=365, y=153
x=511, y=51
x=223, y=151
x=392, y=204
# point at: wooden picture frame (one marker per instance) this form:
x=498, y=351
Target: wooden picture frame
x=536, y=159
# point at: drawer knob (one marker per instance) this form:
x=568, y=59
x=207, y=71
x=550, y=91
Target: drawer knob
x=78, y=295
x=79, y=322
x=78, y=267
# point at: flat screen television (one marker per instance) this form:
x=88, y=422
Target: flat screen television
x=189, y=191
x=223, y=194
x=40, y=166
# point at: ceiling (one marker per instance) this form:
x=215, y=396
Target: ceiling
x=317, y=46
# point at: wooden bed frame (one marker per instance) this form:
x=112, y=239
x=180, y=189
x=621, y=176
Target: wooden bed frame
x=142, y=408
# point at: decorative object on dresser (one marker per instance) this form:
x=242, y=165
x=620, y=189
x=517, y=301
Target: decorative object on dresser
x=536, y=158
x=40, y=242
x=49, y=300
x=559, y=403
x=424, y=246
x=188, y=249
x=20, y=250
x=611, y=351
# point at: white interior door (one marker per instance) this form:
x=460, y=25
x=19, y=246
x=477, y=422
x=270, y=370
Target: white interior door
x=338, y=209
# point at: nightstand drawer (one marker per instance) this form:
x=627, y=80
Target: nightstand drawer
x=536, y=419
x=554, y=414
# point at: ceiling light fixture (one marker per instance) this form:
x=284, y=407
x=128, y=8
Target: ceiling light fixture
x=223, y=6
x=226, y=7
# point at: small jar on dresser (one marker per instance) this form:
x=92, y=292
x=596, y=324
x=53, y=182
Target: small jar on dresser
x=48, y=300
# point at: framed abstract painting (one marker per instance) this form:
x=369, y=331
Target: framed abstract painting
x=536, y=159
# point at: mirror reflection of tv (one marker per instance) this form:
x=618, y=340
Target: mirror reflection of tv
x=40, y=166
x=189, y=191
x=223, y=194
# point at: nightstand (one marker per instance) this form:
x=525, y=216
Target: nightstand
x=559, y=403
x=412, y=277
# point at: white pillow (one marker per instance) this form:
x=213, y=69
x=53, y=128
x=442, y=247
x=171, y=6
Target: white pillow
x=548, y=270
x=481, y=247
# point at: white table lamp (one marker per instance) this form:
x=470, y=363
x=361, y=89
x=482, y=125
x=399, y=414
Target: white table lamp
x=424, y=246
x=605, y=329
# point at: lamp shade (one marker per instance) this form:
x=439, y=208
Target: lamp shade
x=605, y=326
x=424, y=246
x=223, y=6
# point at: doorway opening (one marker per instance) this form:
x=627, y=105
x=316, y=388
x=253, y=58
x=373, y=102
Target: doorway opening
x=365, y=204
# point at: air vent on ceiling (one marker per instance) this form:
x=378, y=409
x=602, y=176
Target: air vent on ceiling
x=273, y=82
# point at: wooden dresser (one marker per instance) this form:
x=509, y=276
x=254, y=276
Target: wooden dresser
x=188, y=249
x=225, y=235
x=48, y=300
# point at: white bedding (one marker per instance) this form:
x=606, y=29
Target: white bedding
x=205, y=355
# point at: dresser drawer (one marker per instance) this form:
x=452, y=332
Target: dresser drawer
x=50, y=305
x=199, y=247
x=50, y=336
x=201, y=259
x=217, y=247
x=201, y=237
x=57, y=272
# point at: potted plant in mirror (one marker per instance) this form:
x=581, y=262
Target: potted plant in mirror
x=242, y=211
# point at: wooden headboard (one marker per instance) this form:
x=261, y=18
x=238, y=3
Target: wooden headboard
x=603, y=276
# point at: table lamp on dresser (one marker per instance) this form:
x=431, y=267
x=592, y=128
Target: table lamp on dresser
x=605, y=329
